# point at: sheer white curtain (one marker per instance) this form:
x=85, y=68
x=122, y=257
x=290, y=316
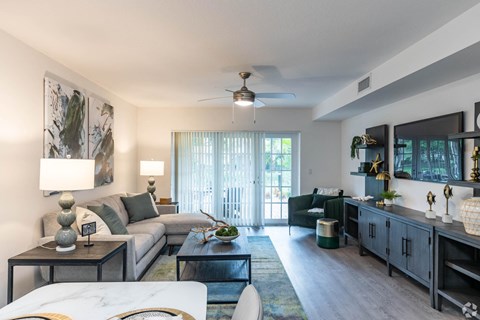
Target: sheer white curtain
x=221, y=173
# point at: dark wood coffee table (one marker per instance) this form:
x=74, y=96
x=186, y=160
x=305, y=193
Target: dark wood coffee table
x=97, y=255
x=214, y=261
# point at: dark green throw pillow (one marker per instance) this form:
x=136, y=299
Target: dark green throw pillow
x=111, y=218
x=319, y=200
x=139, y=207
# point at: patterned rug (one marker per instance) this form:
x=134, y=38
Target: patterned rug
x=268, y=275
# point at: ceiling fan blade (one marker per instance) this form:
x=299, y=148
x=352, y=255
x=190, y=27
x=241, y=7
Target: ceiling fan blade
x=229, y=90
x=258, y=103
x=214, y=98
x=276, y=95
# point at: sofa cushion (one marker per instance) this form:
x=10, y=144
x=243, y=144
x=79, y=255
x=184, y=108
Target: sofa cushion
x=328, y=191
x=110, y=217
x=112, y=201
x=182, y=223
x=306, y=213
x=143, y=243
x=139, y=207
x=319, y=200
x=86, y=216
x=155, y=229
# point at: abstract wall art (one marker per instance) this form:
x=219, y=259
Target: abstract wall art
x=65, y=131
x=100, y=137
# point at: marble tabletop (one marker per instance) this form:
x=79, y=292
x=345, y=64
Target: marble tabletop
x=103, y=300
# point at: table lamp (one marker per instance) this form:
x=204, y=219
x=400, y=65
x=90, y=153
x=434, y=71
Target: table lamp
x=151, y=168
x=66, y=175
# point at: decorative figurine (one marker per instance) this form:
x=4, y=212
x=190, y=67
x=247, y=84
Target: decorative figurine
x=376, y=164
x=475, y=171
x=447, y=192
x=430, y=214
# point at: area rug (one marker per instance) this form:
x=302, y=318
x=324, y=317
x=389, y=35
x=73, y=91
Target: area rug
x=268, y=275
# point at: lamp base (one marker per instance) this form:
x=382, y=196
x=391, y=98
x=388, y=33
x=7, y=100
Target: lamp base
x=447, y=218
x=65, y=249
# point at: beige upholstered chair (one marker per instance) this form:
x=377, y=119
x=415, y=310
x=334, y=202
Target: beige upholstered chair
x=249, y=306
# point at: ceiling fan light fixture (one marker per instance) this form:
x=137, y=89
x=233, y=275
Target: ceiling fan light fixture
x=243, y=97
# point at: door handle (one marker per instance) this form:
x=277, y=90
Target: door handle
x=374, y=230
x=403, y=246
x=369, y=230
x=406, y=247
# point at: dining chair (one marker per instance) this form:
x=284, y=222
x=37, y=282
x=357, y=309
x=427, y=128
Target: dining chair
x=249, y=306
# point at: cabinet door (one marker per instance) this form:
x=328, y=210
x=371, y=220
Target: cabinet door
x=397, y=244
x=418, y=251
x=365, y=229
x=379, y=234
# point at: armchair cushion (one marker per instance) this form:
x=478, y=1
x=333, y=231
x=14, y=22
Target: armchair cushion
x=319, y=200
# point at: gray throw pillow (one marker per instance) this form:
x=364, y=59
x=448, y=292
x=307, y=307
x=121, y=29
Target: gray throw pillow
x=139, y=207
x=319, y=200
x=111, y=218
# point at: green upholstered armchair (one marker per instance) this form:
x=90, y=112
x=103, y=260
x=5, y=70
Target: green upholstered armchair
x=326, y=207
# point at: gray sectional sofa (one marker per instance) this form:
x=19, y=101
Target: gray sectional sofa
x=145, y=240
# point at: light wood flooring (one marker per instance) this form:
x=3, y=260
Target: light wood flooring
x=341, y=284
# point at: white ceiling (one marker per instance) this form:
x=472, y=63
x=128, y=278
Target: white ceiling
x=171, y=53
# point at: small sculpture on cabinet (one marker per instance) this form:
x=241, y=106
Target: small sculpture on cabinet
x=447, y=192
x=430, y=214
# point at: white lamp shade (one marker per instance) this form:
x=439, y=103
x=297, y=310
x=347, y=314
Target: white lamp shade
x=151, y=168
x=67, y=174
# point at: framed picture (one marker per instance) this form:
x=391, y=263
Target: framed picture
x=100, y=139
x=89, y=228
x=65, y=130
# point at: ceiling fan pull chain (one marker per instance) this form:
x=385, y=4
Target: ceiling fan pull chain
x=254, y=119
x=233, y=112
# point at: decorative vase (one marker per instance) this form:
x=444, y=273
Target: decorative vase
x=388, y=202
x=470, y=213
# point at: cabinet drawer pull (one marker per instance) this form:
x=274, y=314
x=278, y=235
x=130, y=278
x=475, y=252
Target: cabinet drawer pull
x=374, y=230
x=407, y=247
x=369, y=230
x=403, y=245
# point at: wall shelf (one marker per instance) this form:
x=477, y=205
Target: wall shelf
x=465, y=135
x=369, y=146
x=462, y=183
x=363, y=174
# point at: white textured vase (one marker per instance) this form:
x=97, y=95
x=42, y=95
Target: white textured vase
x=388, y=202
x=470, y=213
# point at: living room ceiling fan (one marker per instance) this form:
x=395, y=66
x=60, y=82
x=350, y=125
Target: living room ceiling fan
x=245, y=97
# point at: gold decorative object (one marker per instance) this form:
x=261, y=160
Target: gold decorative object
x=447, y=192
x=475, y=175
x=430, y=214
x=368, y=139
x=376, y=164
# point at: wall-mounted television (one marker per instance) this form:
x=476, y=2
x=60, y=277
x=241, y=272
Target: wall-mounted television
x=423, y=152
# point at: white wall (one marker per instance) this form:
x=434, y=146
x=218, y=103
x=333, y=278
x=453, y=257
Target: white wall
x=21, y=145
x=457, y=96
x=320, y=149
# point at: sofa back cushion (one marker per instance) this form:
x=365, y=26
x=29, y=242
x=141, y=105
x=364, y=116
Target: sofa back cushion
x=140, y=207
x=113, y=202
x=108, y=214
x=86, y=216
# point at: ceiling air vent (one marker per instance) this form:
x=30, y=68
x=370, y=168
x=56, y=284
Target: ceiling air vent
x=364, y=84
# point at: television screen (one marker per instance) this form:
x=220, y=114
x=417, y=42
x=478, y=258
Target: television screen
x=422, y=150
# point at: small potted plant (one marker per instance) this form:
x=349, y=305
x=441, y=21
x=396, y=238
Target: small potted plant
x=388, y=197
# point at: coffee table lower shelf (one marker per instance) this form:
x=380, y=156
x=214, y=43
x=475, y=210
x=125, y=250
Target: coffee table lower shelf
x=217, y=274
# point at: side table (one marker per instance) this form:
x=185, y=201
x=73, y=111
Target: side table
x=96, y=255
x=171, y=207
